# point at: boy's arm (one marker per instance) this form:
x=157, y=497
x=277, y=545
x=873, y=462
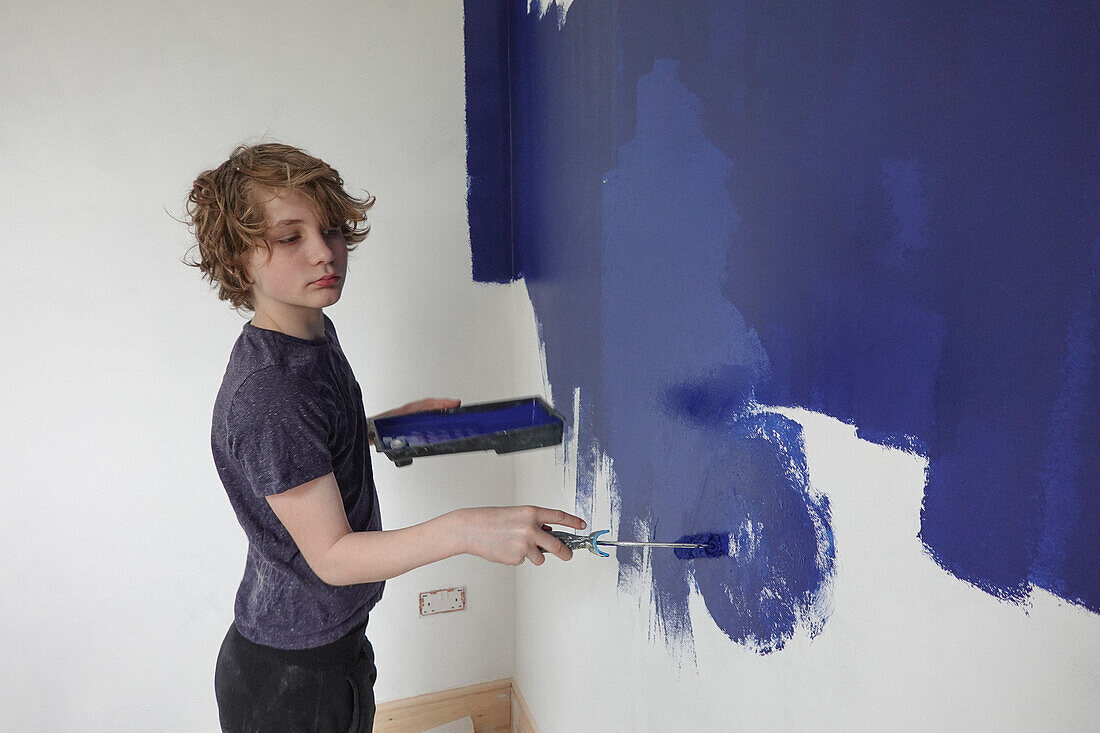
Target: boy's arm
x=313, y=514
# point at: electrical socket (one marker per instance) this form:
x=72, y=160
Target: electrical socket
x=443, y=600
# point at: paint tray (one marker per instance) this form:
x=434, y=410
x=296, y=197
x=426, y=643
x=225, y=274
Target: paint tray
x=505, y=427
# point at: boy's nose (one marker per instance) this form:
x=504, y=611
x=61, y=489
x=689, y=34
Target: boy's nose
x=320, y=249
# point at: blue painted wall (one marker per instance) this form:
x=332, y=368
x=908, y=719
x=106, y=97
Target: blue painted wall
x=886, y=212
x=488, y=145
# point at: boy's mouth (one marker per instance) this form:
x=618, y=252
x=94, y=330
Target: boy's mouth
x=326, y=281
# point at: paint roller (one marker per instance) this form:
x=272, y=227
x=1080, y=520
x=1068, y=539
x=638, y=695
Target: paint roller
x=688, y=547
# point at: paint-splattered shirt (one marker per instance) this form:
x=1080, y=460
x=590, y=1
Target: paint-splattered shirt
x=290, y=411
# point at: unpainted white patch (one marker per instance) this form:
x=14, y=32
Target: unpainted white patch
x=559, y=7
x=746, y=540
x=605, y=493
x=569, y=444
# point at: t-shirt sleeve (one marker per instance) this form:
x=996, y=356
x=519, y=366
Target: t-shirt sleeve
x=278, y=432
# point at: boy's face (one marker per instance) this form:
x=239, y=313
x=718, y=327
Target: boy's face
x=302, y=267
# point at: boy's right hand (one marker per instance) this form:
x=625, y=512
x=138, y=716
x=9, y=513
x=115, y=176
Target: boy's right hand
x=510, y=535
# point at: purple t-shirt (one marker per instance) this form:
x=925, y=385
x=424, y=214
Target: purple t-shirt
x=290, y=411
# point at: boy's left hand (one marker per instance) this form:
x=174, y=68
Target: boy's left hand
x=430, y=403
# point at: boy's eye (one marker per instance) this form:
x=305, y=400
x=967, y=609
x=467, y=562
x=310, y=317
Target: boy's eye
x=327, y=233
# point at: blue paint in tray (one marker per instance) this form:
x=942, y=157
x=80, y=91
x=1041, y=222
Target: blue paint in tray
x=505, y=427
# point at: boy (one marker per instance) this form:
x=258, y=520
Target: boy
x=274, y=227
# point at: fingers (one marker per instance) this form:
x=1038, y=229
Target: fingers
x=425, y=405
x=547, y=542
x=432, y=403
x=511, y=535
x=550, y=543
x=557, y=516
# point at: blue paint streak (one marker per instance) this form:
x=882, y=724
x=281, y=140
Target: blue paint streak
x=1071, y=506
x=714, y=399
x=488, y=153
x=690, y=388
x=898, y=203
x=782, y=553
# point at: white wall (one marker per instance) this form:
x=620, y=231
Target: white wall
x=908, y=647
x=120, y=553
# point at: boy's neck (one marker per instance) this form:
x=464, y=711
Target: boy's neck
x=307, y=326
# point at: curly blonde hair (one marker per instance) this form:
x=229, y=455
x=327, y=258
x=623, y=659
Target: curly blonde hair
x=226, y=214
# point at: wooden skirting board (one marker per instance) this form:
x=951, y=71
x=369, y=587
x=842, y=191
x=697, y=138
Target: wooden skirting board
x=494, y=707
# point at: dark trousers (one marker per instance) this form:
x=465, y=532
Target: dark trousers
x=328, y=689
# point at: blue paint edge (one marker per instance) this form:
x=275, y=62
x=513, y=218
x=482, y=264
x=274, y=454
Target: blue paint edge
x=488, y=141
